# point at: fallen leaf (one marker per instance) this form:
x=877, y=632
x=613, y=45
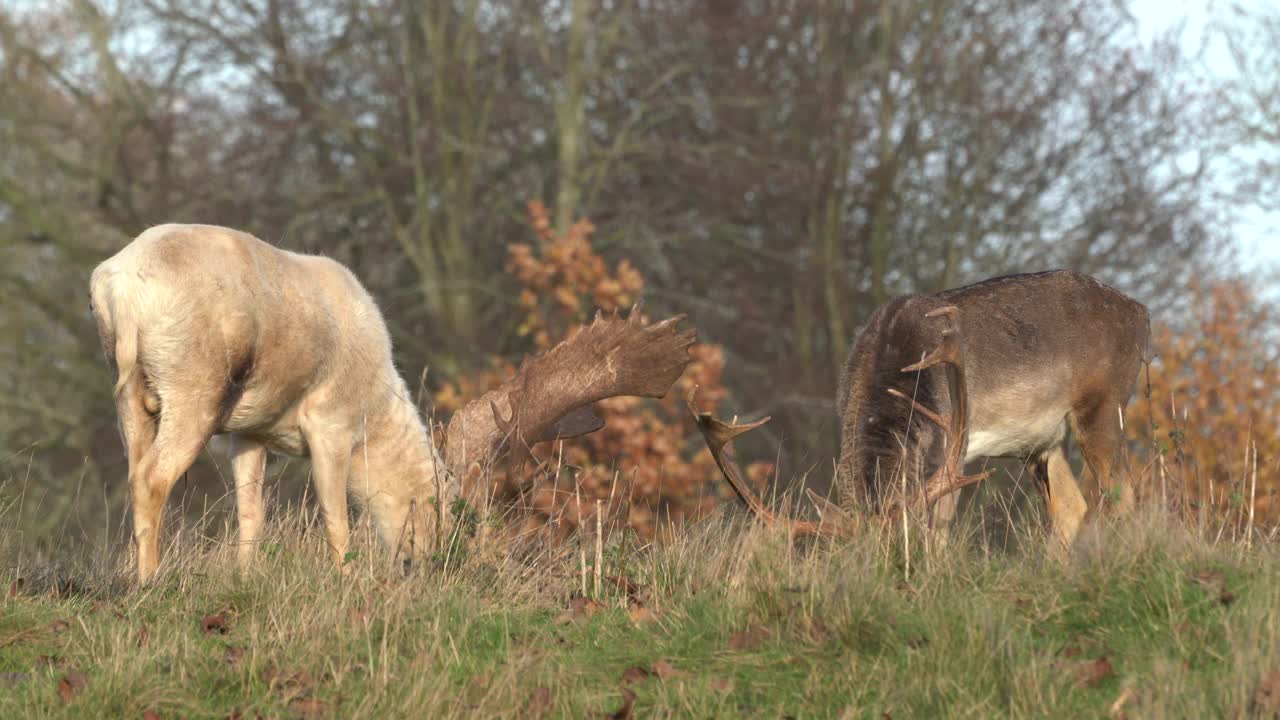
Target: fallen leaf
x=50, y=661
x=358, y=617
x=664, y=670
x=1070, y=651
x=1214, y=583
x=481, y=681
x=144, y=636
x=751, y=637
x=641, y=614
x=624, y=712
x=150, y=715
x=634, y=674
x=1266, y=696
x=214, y=624
x=1209, y=578
x=819, y=633
x=624, y=583
x=233, y=655
x=59, y=626
x=71, y=684
x=539, y=704
x=1092, y=672
x=291, y=685
x=308, y=707
x=579, y=609
x=722, y=684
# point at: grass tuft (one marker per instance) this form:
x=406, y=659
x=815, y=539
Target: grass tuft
x=1146, y=619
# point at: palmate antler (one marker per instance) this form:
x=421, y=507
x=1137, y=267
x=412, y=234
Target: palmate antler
x=719, y=435
x=552, y=396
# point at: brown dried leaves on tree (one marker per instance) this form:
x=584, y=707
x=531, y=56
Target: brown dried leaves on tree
x=642, y=469
x=1213, y=403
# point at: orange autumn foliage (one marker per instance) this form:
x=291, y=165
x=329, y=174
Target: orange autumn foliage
x=1215, y=397
x=648, y=467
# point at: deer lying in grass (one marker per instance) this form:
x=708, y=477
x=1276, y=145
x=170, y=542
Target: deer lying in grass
x=211, y=330
x=1000, y=368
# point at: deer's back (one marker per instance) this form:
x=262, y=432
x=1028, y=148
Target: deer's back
x=219, y=302
x=1036, y=347
x=1046, y=334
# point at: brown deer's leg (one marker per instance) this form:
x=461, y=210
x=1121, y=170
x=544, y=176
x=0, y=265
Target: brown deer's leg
x=1098, y=432
x=248, y=467
x=1063, y=499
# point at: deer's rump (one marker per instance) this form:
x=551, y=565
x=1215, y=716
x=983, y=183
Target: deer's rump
x=219, y=313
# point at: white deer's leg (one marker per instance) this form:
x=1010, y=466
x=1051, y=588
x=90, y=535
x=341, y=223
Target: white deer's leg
x=248, y=466
x=182, y=432
x=137, y=426
x=330, y=466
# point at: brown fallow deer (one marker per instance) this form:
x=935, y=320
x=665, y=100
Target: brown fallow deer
x=211, y=330
x=1000, y=368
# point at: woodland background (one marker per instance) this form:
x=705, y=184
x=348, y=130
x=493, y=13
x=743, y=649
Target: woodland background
x=493, y=171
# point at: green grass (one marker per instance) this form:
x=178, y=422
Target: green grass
x=1187, y=628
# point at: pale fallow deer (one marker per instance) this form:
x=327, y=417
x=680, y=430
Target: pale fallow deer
x=1000, y=368
x=211, y=331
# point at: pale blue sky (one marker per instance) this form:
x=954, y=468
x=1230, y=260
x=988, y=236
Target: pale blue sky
x=1258, y=231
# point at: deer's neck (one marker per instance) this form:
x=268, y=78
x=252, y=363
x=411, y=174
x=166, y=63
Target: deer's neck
x=874, y=423
x=401, y=457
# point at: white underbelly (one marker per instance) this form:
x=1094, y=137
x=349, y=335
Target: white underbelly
x=1017, y=437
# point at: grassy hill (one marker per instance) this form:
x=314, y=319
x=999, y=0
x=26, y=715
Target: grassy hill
x=1146, y=619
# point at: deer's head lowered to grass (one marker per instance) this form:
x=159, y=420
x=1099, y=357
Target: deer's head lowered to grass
x=551, y=396
x=1001, y=368
x=211, y=331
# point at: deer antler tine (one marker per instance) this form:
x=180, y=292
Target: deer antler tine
x=948, y=349
x=938, y=490
x=673, y=320
x=944, y=423
x=719, y=436
x=504, y=424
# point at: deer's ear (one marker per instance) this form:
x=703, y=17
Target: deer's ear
x=581, y=421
